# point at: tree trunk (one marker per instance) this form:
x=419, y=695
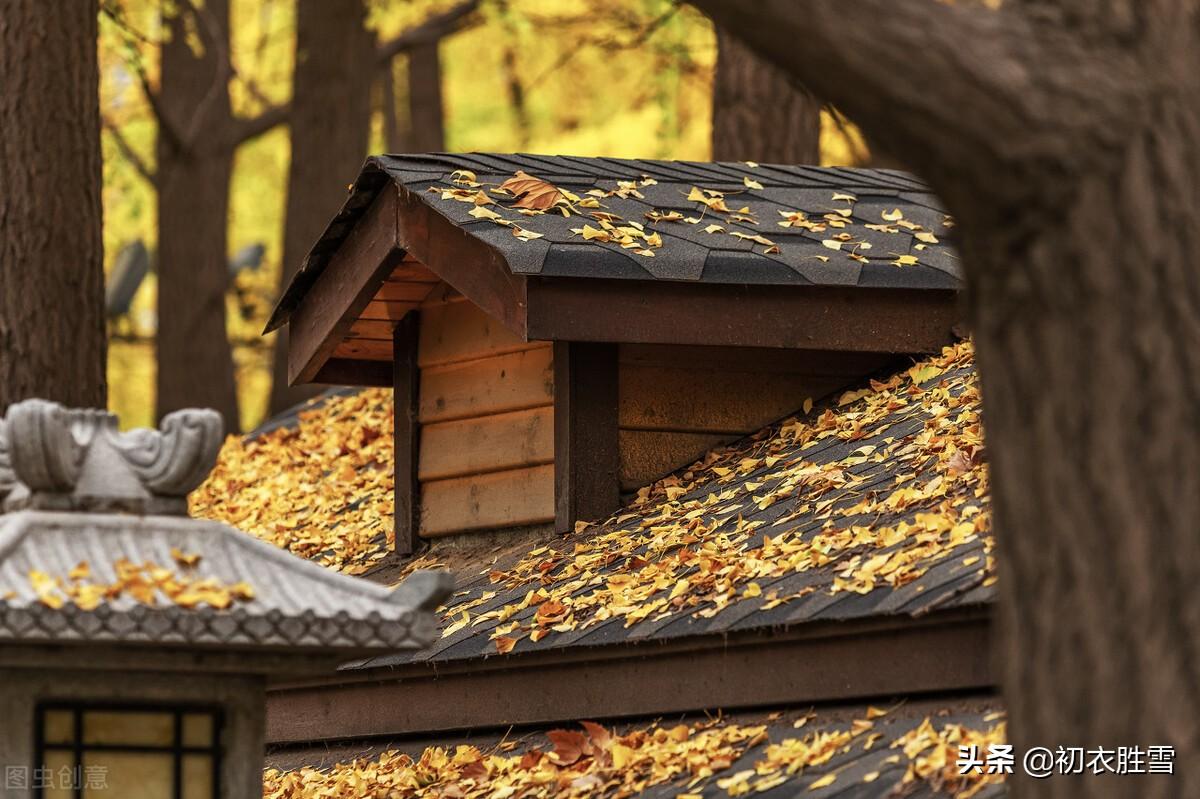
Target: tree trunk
x=1079, y=122
x=425, y=99
x=334, y=67
x=52, y=338
x=195, y=162
x=759, y=114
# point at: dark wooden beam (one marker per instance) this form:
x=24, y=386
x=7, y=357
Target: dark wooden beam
x=850, y=319
x=406, y=376
x=344, y=288
x=348, y=372
x=470, y=266
x=879, y=658
x=587, y=457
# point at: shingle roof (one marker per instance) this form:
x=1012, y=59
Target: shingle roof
x=288, y=602
x=785, y=225
x=852, y=753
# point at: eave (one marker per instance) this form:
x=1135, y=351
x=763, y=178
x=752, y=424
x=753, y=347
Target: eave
x=942, y=652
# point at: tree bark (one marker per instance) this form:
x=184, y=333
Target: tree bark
x=335, y=61
x=195, y=163
x=759, y=113
x=52, y=337
x=427, y=118
x=1062, y=137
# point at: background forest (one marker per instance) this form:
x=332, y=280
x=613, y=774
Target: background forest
x=231, y=128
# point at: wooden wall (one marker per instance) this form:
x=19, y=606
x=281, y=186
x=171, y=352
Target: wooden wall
x=487, y=411
x=487, y=422
x=676, y=403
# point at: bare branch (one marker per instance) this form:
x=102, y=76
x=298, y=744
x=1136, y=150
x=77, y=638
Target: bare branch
x=246, y=128
x=136, y=161
x=115, y=12
x=430, y=31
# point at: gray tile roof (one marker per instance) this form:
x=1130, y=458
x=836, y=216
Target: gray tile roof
x=296, y=604
x=97, y=548
x=688, y=252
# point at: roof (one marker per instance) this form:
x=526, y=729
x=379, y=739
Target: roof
x=316, y=480
x=90, y=553
x=167, y=580
x=717, y=223
x=859, y=752
x=874, y=503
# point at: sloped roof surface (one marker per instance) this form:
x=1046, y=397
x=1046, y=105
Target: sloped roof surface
x=71, y=576
x=852, y=753
x=873, y=503
x=785, y=225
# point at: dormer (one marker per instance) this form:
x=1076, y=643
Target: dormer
x=562, y=331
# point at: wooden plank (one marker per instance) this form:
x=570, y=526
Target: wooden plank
x=852, y=319
x=471, y=266
x=461, y=331
x=406, y=392
x=479, y=502
x=508, y=382
x=586, y=449
x=487, y=444
x=406, y=291
x=946, y=652
x=355, y=349
x=368, y=329
x=379, y=311
x=343, y=372
x=708, y=400
x=759, y=359
x=350, y=279
x=647, y=456
x=411, y=270
x=442, y=293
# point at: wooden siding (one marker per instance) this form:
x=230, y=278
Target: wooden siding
x=676, y=403
x=370, y=335
x=487, y=422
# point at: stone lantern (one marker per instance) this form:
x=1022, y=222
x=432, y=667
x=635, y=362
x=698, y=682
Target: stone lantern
x=135, y=642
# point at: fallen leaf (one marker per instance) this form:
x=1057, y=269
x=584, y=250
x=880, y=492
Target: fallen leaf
x=531, y=192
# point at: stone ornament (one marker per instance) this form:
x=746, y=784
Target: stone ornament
x=54, y=458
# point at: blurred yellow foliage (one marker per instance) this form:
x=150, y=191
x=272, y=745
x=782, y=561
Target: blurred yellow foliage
x=623, y=78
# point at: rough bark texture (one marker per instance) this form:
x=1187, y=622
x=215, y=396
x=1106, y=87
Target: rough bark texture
x=330, y=121
x=759, y=113
x=195, y=162
x=52, y=340
x=425, y=99
x=1063, y=137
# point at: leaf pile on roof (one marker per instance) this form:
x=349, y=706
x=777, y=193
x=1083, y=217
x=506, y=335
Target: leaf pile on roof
x=713, y=757
x=145, y=583
x=321, y=489
x=904, y=489
x=532, y=196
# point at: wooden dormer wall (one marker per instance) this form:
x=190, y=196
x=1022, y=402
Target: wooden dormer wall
x=486, y=413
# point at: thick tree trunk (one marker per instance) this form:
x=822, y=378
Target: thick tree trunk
x=52, y=339
x=335, y=62
x=195, y=162
x=1063, y=139
x=425, y=99
x=759, y=113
